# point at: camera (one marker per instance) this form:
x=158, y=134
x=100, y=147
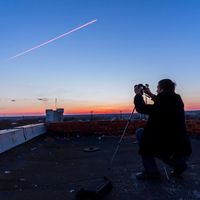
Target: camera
x=142, y=87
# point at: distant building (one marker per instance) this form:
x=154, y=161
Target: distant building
x=54, y=115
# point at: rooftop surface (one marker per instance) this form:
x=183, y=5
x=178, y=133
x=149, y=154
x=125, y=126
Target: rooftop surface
x=55, y=167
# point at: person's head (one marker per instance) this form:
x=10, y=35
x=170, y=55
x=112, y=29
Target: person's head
x=166, y=85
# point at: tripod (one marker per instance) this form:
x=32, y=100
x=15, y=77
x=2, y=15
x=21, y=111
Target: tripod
x=121, y=138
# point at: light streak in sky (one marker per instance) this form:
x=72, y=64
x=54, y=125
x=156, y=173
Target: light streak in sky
x=53, y=39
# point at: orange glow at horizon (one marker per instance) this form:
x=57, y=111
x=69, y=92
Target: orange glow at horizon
x=31, y=108
x=72, y=110
x=192, y=106
x=81, y=111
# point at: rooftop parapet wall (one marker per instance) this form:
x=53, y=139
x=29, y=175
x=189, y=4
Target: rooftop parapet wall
x=107, y=127
x=11, y=138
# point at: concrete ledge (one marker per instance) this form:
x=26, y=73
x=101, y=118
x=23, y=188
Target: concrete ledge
x=10, y=138
x=97, y=127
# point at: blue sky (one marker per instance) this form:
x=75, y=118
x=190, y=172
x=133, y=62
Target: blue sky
x=133, y=41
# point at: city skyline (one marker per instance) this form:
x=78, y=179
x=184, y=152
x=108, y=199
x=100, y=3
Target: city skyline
x=96, y=67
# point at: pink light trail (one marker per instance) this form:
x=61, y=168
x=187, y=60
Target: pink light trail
x=53, y=39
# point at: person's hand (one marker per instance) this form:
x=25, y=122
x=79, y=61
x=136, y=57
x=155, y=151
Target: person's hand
x=148, y=92
x=137, y=90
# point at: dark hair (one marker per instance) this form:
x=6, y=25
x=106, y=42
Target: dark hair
x=167, y=85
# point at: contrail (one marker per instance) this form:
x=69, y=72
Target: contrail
x=53, y=39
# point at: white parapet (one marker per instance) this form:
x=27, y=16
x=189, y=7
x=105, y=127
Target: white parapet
x=10, y=138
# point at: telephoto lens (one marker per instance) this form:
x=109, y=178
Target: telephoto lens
x=142, y=87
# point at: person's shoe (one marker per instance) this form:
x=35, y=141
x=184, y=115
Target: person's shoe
x=148, y=176
x=178, y=170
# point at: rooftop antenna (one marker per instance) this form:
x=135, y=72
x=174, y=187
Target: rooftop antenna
x=91, y=115
x=120, y=114
x=56, y=103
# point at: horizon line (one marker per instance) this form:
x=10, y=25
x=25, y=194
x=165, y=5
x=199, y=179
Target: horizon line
x=81, y=113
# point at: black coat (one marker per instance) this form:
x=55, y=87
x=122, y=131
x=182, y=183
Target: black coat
x=165, y=131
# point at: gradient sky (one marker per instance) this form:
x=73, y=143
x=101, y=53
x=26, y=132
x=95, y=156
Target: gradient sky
x=95, y=68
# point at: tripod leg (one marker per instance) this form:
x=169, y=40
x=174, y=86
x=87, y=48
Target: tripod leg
x=116, y=150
